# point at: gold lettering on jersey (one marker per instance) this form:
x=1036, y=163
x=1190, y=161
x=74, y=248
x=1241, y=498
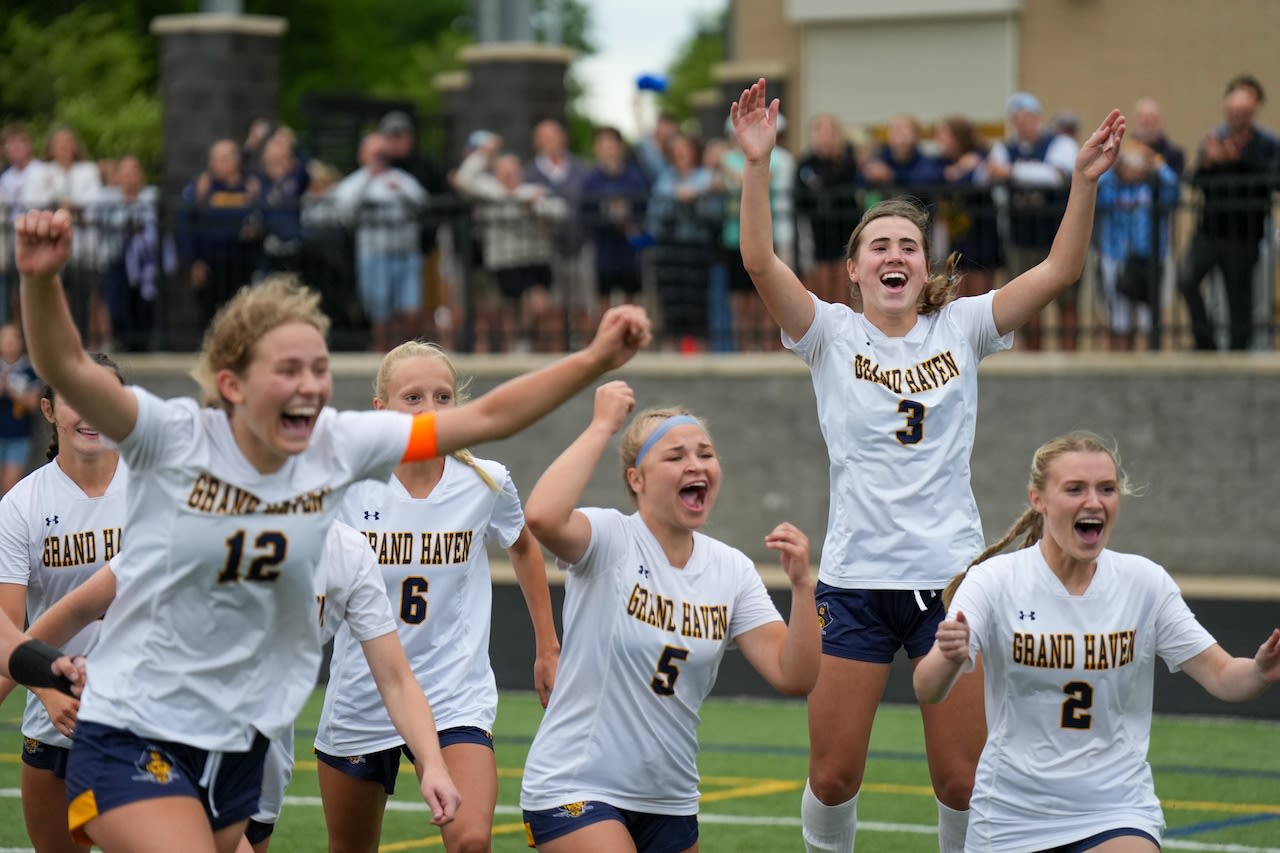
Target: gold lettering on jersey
x=320, y=600
x=933, y=372
x=1108, y=651
x=704, y=621
x=70, y=549
x=1044, y=651
x=441, y=548
x=209, y=494
x=112, y=541
x=305, y=504
x=651, y=608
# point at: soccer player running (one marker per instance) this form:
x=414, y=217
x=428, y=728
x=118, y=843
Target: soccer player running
x=651, y=605
x=349, y=593
x=212, y=645
x=429, y=525
x=58, y=525
x=1069, y=632
x=896, y=387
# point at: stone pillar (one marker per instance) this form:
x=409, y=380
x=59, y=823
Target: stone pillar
x=710, y=111
x=454, y=88
x=511, y=87
x=218, y=73
x=733, y=77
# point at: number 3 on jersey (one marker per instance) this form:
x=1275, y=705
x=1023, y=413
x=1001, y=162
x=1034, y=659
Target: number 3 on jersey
x=914, y=429
x=664, y=677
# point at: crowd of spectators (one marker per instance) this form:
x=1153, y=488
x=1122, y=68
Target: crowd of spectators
x=500, y=253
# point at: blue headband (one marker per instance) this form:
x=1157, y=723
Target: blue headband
x=662, y=429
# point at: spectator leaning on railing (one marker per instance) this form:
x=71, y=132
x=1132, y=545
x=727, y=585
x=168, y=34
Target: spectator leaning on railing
x=517, y=220
x=384, y=203
x=1237, y=168
x=219, y=235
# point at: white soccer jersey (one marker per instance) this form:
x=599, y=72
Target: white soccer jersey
x=898, y=415
x=349, y=593
x=436, y=569
x=213, y=633
x=642, y=644
x=1068, y=683
x=53, y=537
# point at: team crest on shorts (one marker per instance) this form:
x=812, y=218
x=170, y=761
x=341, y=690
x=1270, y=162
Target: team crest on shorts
x=154, y=766
x=31, y=746
x=824, y=615
x=357, y=759
x=574, y=809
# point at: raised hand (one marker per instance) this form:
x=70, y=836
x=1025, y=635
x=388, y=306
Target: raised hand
x=791, y=542
x=1101, y=149
x=43, y=243
x=755, y=122
x=624, y=330
x=614, y=401
x=1268, y=657
x=953, y=638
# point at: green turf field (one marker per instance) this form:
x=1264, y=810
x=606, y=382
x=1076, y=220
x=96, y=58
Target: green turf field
x=1219, y=780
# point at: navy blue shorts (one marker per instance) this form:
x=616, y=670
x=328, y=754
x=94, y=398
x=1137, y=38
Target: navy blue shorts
x=1094, y=840
x=383, y=766
x=112, y=767
x=872, y=624
x=43, y=756
x=652, y=833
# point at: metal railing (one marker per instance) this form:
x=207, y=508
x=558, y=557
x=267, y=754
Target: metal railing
x=521, y=275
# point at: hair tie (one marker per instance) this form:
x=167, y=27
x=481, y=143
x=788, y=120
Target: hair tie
x=662, y=429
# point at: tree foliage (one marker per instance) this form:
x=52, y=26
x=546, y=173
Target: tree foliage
x=691, y=70
x=91, y=64
x=86, y=71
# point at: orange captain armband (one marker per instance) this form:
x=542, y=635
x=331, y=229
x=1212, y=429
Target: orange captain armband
x=422, y=439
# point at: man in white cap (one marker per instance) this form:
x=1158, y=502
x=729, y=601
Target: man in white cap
x=1036, y=164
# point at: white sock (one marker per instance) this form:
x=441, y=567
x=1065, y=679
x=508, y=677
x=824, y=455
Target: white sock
x=952, y=825
x=827, y=829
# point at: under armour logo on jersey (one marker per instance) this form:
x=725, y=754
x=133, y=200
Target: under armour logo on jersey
x=644, y=572
x=1027, y=614
x=375, y=515
x=50, y=520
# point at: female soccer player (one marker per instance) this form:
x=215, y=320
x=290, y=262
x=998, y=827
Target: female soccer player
x=58, y=525
x=896, y=385
x=650, y=607
x=211, y=646
x=350, y=593
x=428, y=526
x=1074, y=680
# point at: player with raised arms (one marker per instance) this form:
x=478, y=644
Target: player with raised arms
x=1069, y=631
x=212, y=645
x=428, y=526
x=897, y=394
x=651, y=605
x=58, y=525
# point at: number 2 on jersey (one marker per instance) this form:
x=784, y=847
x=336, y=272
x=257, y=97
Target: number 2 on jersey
x=1077, y=704
x=664, y=677
x=413, y=600
x=914, y=429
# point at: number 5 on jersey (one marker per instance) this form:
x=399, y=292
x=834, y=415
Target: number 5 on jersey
x=666, y=673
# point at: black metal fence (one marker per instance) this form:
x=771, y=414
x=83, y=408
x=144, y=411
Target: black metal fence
x=533, y=274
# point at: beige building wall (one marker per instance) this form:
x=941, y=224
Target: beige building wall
x=1091, y=55
x=868, y=59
